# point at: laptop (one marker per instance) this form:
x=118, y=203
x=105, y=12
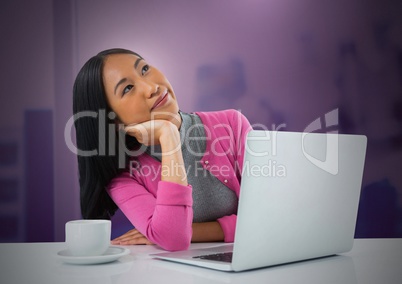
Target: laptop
x=298, y=200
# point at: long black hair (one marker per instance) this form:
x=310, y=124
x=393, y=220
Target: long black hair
x=98, y=161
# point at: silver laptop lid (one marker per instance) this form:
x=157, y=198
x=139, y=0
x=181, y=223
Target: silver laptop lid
x=309, y=185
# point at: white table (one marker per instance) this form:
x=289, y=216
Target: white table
x=370, y=261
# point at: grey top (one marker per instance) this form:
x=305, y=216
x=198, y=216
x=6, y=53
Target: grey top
x=211, y=198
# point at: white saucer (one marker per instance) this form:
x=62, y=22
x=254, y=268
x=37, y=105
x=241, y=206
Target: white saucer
x=112, y=254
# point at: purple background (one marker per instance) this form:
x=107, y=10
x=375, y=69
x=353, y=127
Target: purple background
x=287, y=61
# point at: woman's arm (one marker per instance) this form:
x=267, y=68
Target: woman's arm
x=173, y=169
x=207, y=232
x=166, y=134
x=202, y=232
x=165, y=219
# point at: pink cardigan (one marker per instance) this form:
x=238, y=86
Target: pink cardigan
x=161, y=210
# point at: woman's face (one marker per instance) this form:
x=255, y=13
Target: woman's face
x=138, y=92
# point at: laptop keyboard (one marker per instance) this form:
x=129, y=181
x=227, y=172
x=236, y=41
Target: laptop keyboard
x=225, y=257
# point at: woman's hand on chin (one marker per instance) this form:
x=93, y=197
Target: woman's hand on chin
x=150, y=132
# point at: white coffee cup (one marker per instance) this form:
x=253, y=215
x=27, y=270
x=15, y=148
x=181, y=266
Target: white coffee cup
x=88, y=237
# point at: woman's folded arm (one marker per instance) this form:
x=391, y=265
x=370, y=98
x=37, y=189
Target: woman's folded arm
x=165, y=220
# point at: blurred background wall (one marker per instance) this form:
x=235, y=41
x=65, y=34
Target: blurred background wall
x=284, y=64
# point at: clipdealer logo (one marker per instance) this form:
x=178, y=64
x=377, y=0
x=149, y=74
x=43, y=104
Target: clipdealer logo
x=329, y=124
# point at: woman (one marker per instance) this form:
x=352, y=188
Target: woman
x=179, y=180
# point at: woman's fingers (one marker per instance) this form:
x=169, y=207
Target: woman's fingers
x=132, y=237
x=148, y=132
x=142, y=132
x=136, y=241
x=130, y=234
